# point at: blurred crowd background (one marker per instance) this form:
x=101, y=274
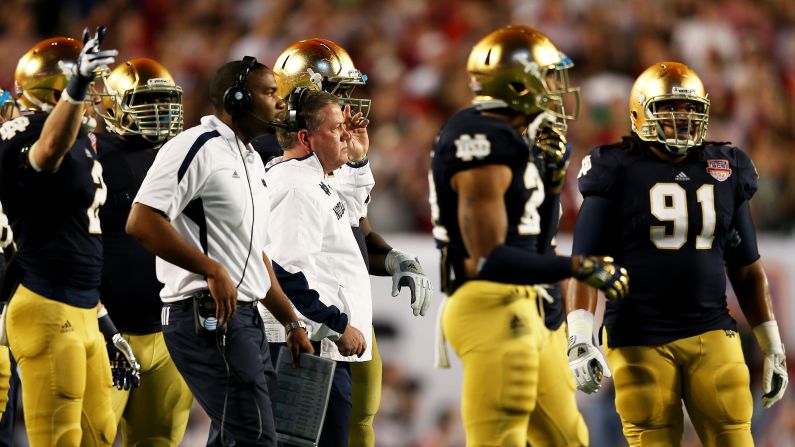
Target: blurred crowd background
x=414, y=53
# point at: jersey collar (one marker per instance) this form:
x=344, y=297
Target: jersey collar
x=226, y=132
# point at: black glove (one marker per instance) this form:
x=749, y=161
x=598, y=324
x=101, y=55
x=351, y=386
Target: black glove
x=123, y=365
x=604, y=274
x=551, y=147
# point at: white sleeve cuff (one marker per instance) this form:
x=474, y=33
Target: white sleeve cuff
x=580, y=324
x=768, y=337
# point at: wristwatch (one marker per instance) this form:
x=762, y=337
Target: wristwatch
x=295, y=325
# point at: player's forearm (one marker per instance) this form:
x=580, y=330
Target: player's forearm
x=377, y=249
x=580, y=296
x=484, y=224
x=57, y=136
x=753, y=293
x=151, y=228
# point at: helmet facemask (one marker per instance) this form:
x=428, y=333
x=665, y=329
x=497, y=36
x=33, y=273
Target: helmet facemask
x=152, y=110
x=8, y=107
x=557, y=91
x=688, y=125
x=343, y=86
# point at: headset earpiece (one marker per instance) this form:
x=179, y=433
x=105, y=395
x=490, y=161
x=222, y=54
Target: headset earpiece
x=237, y=98
x=294, y=101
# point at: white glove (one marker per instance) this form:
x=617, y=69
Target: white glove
x=91, y=57
x=125, y=369
x=407, y=272
x=124, y=366
x=774, y=370
x=586, y=361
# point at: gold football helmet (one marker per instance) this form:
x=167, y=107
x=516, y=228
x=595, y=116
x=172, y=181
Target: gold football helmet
x=656, y=102
x=520, y=68
x=140, y=97
x=43, y=72
x=320, y=64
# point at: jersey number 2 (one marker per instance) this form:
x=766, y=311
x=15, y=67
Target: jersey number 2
x=99, y=199
x=669, y=204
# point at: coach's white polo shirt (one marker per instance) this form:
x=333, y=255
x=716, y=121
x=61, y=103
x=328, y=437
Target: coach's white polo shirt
x=202, y=184
x=310, y=232
x=354, y=185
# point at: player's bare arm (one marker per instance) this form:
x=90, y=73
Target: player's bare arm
x=63, y=124
x=752, y=290
x=753, y=294
x=377, y=248
x=152, y=229
x=481, y=210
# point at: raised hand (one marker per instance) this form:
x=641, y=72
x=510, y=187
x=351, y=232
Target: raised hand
x=359, y=143
x=90, y=59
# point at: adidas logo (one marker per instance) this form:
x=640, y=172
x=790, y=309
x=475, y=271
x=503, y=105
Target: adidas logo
x=235, y=175
x=681, y=177
x=67, y=327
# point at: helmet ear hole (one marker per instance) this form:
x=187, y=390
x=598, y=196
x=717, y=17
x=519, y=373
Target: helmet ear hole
x=518, y=88
x=634, y=114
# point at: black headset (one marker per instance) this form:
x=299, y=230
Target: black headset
x=237, y=98
x=294, y=102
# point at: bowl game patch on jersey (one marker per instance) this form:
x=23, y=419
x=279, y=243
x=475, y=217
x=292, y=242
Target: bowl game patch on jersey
x=719, y=169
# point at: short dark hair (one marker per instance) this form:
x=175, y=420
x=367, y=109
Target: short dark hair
x=311, y=103
x=226, y=77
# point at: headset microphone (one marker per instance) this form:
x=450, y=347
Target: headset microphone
x=272, y=124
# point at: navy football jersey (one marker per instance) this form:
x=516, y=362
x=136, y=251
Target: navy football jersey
x=670, y=223
x=267, y=147
x=468, y=140
x=130, y=289
x=54, y=215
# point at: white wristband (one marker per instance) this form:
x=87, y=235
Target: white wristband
x=102, y=312
x=392, y=260
x=768, y=337
x=66, y=98
x=580, y=324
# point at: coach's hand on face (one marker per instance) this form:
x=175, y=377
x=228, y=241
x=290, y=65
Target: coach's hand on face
x=351, y=342
x=359, y=143
x=224, y=293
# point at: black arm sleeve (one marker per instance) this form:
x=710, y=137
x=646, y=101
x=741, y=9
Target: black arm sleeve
x=741, y=249
x=307, y=300
x=591, y=227
x=550, y=220
x=512, y=265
